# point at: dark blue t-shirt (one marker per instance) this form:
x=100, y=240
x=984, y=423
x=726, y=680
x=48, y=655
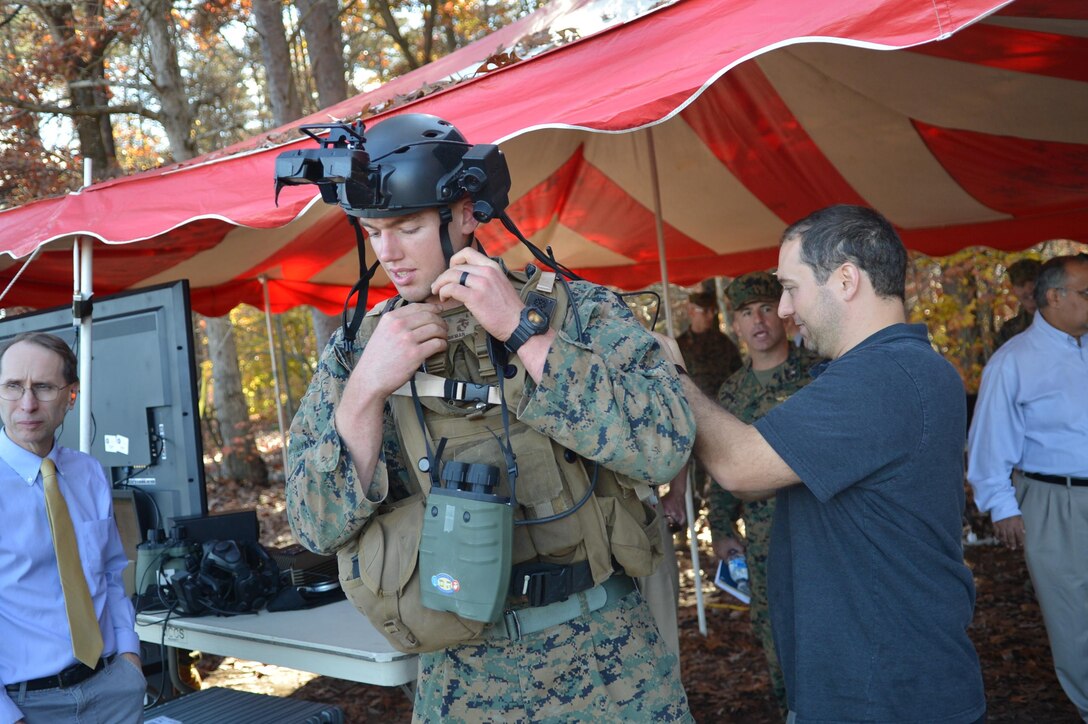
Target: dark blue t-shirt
x=869, y=596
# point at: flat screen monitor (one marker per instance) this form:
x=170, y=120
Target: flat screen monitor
x=146, y=427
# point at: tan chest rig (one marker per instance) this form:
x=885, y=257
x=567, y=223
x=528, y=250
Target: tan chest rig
x=613, y=530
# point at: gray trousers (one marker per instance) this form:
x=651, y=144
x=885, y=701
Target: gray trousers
x=1056, y=549
x=115, y=695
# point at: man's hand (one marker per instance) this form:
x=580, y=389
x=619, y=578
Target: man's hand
x=1010, y=531
x=672, y=503
x=403, y=339
x=727, y=546
x=485, y=291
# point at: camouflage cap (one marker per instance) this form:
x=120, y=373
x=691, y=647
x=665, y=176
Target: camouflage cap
x=753, y=287
x=705, y=300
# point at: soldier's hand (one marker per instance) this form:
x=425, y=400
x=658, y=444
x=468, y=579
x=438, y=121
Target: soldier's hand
x=481, y=285
x=726, y=547
x=1010, y=531
x=673, y=504
x=403, y=339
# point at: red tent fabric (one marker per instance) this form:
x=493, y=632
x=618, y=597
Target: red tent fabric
x=965, y=122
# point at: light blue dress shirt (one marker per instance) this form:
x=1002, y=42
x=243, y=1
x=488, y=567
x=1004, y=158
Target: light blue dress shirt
x=1031, y=415
x=34, y=636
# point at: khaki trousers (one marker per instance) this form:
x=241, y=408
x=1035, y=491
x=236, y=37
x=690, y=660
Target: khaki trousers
x=1056, y=549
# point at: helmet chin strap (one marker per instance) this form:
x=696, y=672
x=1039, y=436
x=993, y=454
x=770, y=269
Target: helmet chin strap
x=446, y=217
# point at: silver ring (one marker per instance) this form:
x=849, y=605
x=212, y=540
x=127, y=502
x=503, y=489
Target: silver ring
x=464, y=278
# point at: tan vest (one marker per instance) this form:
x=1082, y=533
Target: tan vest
x=615, y=524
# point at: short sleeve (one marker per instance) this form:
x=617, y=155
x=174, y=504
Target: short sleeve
x=856, y=423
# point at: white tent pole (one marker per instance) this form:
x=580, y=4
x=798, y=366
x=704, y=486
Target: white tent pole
x=83, y=273
x=659, y=228
x=689, y=503
x=275, y=371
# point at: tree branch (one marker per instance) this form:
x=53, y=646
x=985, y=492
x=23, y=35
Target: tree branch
x=94, y=111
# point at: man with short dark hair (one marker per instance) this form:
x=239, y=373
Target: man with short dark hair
x=869, y=597
x=1022, y=276
x=1031, y=428
x=68, y=652
x=775, y=370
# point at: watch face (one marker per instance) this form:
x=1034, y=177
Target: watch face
x=535, y=318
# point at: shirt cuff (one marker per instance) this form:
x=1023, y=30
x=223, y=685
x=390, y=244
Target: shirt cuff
x=127, y=641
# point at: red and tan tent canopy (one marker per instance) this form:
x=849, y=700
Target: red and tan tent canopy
x=965, y=122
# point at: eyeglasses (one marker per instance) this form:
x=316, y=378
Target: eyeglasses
x=1082, y=292
x=43, y=392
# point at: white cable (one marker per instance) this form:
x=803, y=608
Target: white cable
x=19, y=273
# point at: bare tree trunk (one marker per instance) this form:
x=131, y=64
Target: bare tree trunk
x=241, y=460
x=85, y=76
x=282, y=94
x=324, y=326
x=325, y=46
x=177, y=114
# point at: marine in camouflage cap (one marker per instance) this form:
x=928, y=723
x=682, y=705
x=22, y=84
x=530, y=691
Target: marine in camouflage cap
x=753, y=287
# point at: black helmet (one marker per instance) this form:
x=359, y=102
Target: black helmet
x=419, y=156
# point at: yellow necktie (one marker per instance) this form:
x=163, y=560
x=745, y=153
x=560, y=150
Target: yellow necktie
x=86, y=636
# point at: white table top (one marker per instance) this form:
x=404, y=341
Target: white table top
x=331, y=640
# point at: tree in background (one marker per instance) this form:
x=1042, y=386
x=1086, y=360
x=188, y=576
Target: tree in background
x=135, y=85
x=240, y=458
x=964, y=298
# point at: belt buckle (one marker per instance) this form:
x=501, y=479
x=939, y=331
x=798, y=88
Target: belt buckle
x=507, y=616
x=539, y=586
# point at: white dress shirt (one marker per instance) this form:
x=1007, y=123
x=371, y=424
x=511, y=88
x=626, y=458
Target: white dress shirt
x=34, y=635
x=1031, y=415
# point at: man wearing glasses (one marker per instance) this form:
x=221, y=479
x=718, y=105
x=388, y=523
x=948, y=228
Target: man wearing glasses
x=1031, y=428
x=68, y=652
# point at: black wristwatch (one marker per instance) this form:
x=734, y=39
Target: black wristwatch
x=532, y=322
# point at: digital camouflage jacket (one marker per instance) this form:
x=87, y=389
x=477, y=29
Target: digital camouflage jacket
x=609, y=395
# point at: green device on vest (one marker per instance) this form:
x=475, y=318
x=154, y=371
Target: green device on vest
x=466, y=543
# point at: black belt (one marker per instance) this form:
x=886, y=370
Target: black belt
x=540, y=584
x=75, y=674
x=1058, y=479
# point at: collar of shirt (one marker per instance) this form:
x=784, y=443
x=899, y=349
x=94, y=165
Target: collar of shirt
x=1041, y=328
x=26, y=464
x=917, y=332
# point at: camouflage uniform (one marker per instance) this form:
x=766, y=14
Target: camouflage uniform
x=709, y=358
x=744, y=396
x=609, y=396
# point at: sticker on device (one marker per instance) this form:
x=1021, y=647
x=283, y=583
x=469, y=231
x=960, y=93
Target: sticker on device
x=445, y=583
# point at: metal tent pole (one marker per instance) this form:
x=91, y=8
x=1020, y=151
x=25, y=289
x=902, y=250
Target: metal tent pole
x=659, y=226
x=82, y=276
x=275, y=371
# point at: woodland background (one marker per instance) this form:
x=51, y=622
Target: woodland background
x=133, y=84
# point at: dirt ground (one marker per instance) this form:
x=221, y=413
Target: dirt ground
x=724, y=673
